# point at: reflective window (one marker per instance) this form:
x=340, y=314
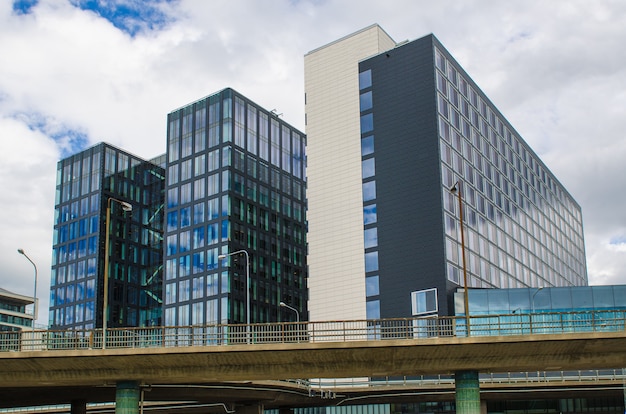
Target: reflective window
x=371, y=286
x=373, y=309
x=367, y=145
x=367, y=123
x=368, y=168
x=371, y=262
x=369, y=191
x=371, y=237
x=365, y=79
x=424, y=301
x=369, y=214
x=366, y=101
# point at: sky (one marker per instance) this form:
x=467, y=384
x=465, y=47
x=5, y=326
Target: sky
x=77, y=72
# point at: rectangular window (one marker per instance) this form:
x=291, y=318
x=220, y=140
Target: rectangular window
x=371, y=262
x=368, y=168
x=424, y=301
x=367, y=123
x=369, y=191
x=373, y=309
x=365, y=101
x=372, y=286
x=369, y=214
x=367, y=145
x=371, y=237
x=365, y=79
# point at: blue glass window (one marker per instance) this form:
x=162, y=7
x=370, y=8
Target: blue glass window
x=184, y=243
x=366, y=101
x=368, y=168
x=372, y=286
x=367, y=123
x=367, y=145
x=198, y=262
x=371, y=262
x=171, y=244
x=369, y=191
x=365, y=79
x=185, y=217
x=172, y=197
x=369, y=214
x=225, y=230
x=172, y=220
x=198, y=237
x=373, y=309
x=371, y=237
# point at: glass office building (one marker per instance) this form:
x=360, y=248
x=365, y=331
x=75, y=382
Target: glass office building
x=424, y=127
x=235, y=183
x=88, y=183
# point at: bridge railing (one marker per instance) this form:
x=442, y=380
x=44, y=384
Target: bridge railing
x=330, y=331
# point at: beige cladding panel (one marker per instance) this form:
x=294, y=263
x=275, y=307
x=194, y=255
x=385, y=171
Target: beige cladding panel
x=336, y=261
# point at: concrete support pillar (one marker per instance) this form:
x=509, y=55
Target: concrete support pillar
x=79, y=407
x=467, y=394
x=127, y=397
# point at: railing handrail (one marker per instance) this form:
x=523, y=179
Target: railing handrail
x=609, y=320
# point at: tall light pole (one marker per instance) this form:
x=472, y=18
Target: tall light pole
x=532, y=300
x=21, y=251
x=456, y=188
x=284, y=305
x=245, y=252
x=105, y=297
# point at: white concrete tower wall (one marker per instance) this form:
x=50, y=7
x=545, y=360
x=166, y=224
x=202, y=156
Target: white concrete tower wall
x=335, y=206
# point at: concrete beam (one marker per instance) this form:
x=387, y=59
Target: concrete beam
x=577, y=351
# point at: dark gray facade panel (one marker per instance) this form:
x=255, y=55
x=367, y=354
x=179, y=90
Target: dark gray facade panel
x=408, y=177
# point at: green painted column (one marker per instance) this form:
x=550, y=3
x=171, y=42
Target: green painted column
x=127, y=397
x=467, y=394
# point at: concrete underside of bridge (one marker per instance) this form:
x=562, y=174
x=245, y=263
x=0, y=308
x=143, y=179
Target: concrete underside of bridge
x=272, y=395
x=91, y=375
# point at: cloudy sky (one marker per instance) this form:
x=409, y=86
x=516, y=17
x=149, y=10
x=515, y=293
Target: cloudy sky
x=77, y=72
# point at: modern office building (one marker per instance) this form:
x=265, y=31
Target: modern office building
x=235, y=188
x=13, y=314
x=392, y=128
x=94, y=188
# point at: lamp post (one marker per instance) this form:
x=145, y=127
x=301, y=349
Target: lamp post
x=21, y=251
x=532, y=308
x=532, y=300
x=456, y=188
x=245, y=252
x=107, y=234
x=284, y=305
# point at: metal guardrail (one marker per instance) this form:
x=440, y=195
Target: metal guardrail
x=331, y=331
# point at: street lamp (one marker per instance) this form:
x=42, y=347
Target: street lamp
x=532, y=300
x=456, y=188
x=21, y=251
x=224, y=256
x=532, y=308
x=284, y=305
x=105, y=311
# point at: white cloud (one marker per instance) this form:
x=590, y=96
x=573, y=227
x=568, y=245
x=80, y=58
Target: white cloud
x=553, y=68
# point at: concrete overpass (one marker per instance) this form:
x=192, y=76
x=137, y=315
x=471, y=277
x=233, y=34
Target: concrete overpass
x=96, y=371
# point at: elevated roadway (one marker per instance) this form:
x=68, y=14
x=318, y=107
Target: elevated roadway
x=173, y=360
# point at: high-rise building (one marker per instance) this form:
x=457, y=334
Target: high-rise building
x=100, y=180
x=401, y=126
x=335, y=209
x=235, y=188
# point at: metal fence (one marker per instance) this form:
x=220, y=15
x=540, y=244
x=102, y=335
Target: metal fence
x=331, y=331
